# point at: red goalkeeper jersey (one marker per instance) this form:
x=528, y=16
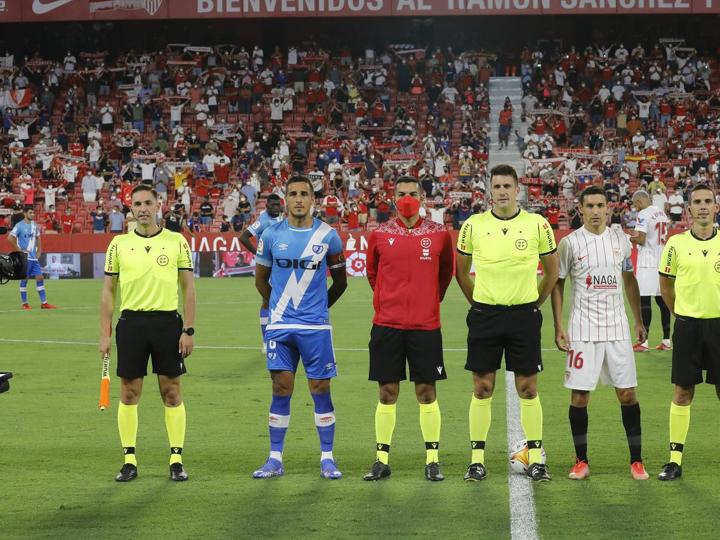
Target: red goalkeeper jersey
x=409, y=271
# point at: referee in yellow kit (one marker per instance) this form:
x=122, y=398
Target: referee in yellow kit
x=505, y=244
x=690, y=286
x=149, y=263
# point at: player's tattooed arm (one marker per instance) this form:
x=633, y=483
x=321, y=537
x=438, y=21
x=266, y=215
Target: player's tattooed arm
x=336, y=264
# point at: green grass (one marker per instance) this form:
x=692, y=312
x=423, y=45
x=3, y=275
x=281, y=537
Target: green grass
x=58, y=453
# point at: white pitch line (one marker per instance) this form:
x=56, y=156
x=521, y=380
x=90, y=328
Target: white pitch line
x=219, y=347
x=523, y=525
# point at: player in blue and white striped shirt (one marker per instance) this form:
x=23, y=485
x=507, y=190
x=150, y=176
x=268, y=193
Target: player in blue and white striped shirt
x=292, y=261
x=25, y=237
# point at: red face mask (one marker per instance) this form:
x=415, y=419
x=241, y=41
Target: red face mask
x=408, y=206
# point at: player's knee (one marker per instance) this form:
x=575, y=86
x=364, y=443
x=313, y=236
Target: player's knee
x=627, y=396
x=388, y=393
x=683, y=395
x=526, y=388
x=171, y=396
x=425, y=393
x=281, y=385
x=319, y=386
x=129, y=393
x=580, y=398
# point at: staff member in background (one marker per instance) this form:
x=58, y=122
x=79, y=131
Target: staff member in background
x=690, y=286
x=149, y=264
x=505, y=245
x=409, y=266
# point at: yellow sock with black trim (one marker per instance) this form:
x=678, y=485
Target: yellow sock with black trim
x=679, y=425
x=480, y=419
x=531, y=418
x=175, y=425
x=384, y=427
x=430, y=422
x=127, y=418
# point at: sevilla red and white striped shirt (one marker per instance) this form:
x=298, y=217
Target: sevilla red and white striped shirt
x=595, y=264
x=655, y=224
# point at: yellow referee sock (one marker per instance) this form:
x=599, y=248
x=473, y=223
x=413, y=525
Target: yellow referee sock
x=175, y=425
x=679, y=424
x=384, y=427
x=531, y=418
x=127, y=426
x=430, y=426
x=480, y=418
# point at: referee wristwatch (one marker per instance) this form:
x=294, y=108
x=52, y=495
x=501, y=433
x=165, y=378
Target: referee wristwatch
x=189, y=331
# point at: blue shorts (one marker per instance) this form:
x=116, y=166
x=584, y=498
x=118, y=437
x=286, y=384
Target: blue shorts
x=34, y=269
x=285, y=347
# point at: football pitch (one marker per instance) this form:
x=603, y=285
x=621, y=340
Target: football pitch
x=59, y=454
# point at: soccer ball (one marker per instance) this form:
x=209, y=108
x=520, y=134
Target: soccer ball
x=519, y=457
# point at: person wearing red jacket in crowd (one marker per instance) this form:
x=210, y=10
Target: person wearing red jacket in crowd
x=68, y=221
x=409, y=267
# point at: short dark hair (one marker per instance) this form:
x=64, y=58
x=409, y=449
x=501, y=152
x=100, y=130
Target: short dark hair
x=592, y=190
x=699, y=187
x=274, y=197
x=504, y=170
x=144, y=187
x=297, y=179
x=407, y=179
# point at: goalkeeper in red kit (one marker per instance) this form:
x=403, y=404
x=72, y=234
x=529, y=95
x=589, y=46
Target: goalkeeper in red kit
x=409, y=266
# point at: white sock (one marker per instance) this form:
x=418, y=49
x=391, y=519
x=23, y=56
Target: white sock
x=276, y=455
x=667, y=342
x=326, y=455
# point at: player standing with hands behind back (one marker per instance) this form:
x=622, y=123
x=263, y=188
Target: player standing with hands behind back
x=409, y=266
x=293, y=258
x=149, y=264
x=505, y=245
x=598, y=344
x=690, y=285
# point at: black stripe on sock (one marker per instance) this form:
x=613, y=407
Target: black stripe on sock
x=676, y=447
x=432, y=445
x=477, y=445
x=534, y=444
x=383, y=447
x=176, y=450
x=128, y=449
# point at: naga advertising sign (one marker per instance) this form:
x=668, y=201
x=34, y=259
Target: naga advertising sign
x=94, y=10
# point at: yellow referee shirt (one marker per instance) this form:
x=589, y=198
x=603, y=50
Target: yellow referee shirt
x=147, y=269
x=505, y=253
x=694, y=264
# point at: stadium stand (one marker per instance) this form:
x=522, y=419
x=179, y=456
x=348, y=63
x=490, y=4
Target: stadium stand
x=203, y=121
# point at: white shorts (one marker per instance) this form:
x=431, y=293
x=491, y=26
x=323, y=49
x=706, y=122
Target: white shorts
x=649, y=281
x=613, y=362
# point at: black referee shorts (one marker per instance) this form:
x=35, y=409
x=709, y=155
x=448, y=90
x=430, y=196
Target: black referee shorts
x=512, y=330
x=696, y=347
x=143, y=334
x=391, y=347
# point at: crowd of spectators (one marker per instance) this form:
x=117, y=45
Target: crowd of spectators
x=216, y=129
x=621, y=117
